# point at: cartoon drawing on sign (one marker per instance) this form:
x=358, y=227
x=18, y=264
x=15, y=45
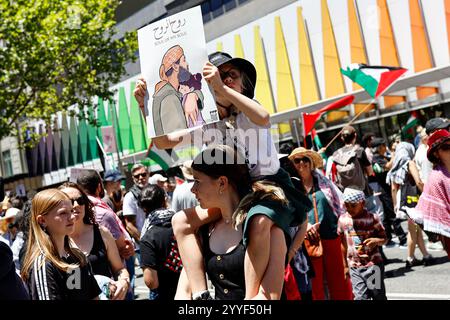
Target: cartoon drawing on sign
x=193, y=118
x=171, y=110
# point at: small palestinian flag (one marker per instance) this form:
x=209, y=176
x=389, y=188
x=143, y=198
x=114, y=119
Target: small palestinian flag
x=160, y=157
x=374, y=79
x=309, y=119
x=413, y=120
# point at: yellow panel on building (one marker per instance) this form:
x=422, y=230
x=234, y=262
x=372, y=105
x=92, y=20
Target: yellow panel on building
x=238, y=49
x=286, y=98
x=422, y=55
x=263, y=91
x=334, y=83
x=309, y=92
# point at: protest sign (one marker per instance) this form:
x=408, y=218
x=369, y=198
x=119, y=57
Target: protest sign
x=172, y=52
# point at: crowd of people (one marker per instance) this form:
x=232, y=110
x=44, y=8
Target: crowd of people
x=246, y=220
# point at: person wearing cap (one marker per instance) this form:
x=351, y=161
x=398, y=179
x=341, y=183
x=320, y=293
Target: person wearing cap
x=434, y=203
x=113, y=192
x=362, y=234
x=158, y=179
x=167, y=109
x=435, y=124
x=327, y=200
x=7, y=230
x=182, y=197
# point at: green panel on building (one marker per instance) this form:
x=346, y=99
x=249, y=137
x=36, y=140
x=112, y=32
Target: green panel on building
x=83, y=140
x=137, y=123
x=92, y=134
x=115, y=123
x=124, y=123
x=73, y=159
x=65, y=142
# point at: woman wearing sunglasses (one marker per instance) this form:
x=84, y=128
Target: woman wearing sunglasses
x=96, y=242
x=54, y=268
x=433, y=207
x=328, y=205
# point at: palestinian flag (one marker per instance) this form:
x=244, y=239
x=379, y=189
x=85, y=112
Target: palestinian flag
x=408, y=129
x=374, y=79
x=316, y=141
x=309, y=119
x=159, y=157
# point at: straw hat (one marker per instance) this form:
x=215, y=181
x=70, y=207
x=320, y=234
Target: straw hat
x=313, y=156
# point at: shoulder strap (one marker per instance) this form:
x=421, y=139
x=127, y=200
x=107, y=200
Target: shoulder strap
x=316, y=214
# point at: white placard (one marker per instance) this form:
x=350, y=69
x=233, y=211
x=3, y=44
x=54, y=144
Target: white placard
x=172, y=53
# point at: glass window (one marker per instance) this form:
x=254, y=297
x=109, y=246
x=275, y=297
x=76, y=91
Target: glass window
x=216, y=8
x=7, y=163
x=206, y=11
x=229, y=4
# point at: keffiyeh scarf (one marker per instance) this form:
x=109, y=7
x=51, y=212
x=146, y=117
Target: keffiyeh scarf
x=159, y=217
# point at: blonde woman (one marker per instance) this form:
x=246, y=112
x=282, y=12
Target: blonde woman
x=53, y=268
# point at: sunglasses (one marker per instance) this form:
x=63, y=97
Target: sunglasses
x=298, y=160
x=80, y=200
x=139, y=175
x=232, y=73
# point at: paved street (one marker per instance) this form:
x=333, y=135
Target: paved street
x=418, y=283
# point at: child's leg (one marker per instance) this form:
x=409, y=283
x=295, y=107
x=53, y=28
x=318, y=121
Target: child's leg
x=257, y=253
x=412, y=238
x=421, y=242
x=185, y=225
x=273, y=279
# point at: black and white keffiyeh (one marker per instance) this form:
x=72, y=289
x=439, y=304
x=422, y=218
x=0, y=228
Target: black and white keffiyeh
x=159, y=217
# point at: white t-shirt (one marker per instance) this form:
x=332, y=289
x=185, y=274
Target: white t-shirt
x=253, y=141
x=131, y=208
x=423, y=164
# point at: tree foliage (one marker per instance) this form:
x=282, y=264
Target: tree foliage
x=56, y=54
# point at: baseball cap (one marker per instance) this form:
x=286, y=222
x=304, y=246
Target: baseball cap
x=154, y=179
x=436, y=124
x=113, y=175
x=377, y=142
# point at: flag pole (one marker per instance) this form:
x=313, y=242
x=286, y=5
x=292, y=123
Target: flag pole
x=351, y=121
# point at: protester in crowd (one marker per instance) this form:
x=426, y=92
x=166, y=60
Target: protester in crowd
x=367, y=144
x=157, y=179
x=113, y=190
x=183, y=198
x=91, y=183
x=225, y=186
x=382, y=163
x=362, y=234
x=434, y=204
x=435, y=124
x=406, y=194
x=7, y=230
x=353, y=169
x=52, y=261
x=160, y=259
x=328, y=204
x=133, y=214
x=96, y=242
x=11, y=286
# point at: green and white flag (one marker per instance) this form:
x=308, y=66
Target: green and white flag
x=374, y=79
